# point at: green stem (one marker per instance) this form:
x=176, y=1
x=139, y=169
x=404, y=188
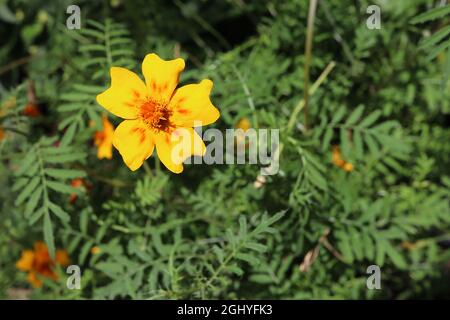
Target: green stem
x=301, y=104
x=308, y=53
x=248, y=94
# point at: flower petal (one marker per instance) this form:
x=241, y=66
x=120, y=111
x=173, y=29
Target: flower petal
x=34, y=280
x=103, y=139
x=173, y=148
x=25, y=262
x=62, y=257
x=125, y=94
x=161, y=76
x=134, y=141
x=191, y=104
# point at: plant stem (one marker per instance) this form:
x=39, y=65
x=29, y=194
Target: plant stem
x=301, y=104
x=308, y=50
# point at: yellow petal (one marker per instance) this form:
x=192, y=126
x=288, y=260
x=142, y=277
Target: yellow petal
x=104, y=140
x=134, y=141
x=173, y=148
x=125, y=95
x=104, y=151
x=191, y=105
x=161, y=76
x=25, y=262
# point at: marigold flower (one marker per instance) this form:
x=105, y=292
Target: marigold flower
x=155, y=112
x=103, y=139
x=2, y=134
x=37, y=263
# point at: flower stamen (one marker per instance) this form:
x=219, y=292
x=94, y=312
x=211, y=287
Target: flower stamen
x=156, y=115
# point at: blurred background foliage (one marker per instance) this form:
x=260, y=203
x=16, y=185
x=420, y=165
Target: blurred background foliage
x=223, y=231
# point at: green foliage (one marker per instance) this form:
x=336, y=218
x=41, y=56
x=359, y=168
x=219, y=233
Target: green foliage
x=224, y=231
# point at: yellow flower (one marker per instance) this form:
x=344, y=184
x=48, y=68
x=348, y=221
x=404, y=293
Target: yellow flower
x=103, y=139
x=155, y=112
x=38, y=263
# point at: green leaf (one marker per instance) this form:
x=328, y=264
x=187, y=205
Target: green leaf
x=261, y=278
x=432, y=14
x=242, y=227
x=85, y=251
x=345, y=246
x=340, y=113
x=69, y=134
x=370, y=119
x=62, y=188
x=48, y=235
x=435, y=38
x=63, y=158
x=396, y=257
x=355, y=116
x=247, y=257
x=26, y=192
x=33, y=201
x=327, y=138
x=36, y=216
x=255, y=246
x=65, y=173
x=236, y=270
x=358, y=144
x=60, y=213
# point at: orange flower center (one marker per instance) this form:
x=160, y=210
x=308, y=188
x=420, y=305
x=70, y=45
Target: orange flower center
x=156, y=115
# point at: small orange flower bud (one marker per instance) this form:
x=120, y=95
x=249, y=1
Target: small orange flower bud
x=76, y=183
x=95, y=250
x=243, y=124
x=31, y=110
x=348, y=167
